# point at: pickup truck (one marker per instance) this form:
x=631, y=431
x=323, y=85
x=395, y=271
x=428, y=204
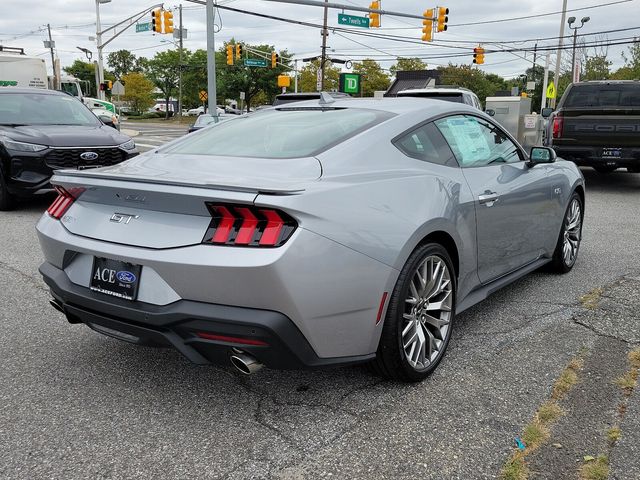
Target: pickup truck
x=597, y=124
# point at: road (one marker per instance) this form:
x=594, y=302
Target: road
x=151, y=135
x=75, y=404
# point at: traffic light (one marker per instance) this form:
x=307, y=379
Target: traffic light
x=427, y=29
x=229, y=54
x=442, y=19
x=168, y=22
x=374, y=18
x=478, y=55
x=274, y=59
x=238, y=51
x=156, y=20
x=109, y=84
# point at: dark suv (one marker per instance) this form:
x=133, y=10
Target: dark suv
x=44, y=130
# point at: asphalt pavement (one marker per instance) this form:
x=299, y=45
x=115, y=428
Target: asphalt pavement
x=150, y=135
x=76, y=404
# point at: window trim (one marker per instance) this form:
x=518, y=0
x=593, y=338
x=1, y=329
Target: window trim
x=522, y=154
x=397, y=138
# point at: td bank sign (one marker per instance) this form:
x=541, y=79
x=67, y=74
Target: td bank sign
x=350, y=83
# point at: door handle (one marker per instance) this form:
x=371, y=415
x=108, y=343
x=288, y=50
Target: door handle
x=488, y=198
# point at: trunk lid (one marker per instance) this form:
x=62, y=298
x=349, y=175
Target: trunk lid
x=600, y=126
x=159, y=200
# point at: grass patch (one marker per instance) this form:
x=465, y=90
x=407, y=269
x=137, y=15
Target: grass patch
x=515, y=468
x=613, y=434
x=634, y=358
x=568, y=378
x=590, y=300
x=597, y=469
x=534, y=435
x=627, y=382
x=549, y=412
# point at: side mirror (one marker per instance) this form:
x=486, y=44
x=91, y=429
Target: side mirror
x=107, y=120
x=490, y=112
x=541, y=155
x=546, y=112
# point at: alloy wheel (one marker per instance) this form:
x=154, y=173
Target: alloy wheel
x=427, y=312
x=572, y=232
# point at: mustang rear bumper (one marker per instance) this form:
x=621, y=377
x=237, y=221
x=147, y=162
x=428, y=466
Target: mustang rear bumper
x=270, y=336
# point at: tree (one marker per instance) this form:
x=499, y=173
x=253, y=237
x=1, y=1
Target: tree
x=162, y=70
x=632, y=59
x=307, y=80
x=374, y=77
x=407, y=64
x=123, y=62
x=466, y=76
x=237, y=78
x=597, y=68
x=138, y=91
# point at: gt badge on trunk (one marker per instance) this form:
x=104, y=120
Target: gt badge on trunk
x=116, y=278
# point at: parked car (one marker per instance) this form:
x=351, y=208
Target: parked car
x=44, y=130
x=283, y=98
x=305, y=237
x=597, y=124
x=449, y=94
x=201, y=122
x=108, y=118
x=200, y=110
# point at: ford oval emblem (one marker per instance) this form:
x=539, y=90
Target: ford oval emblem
x=126, y=277
x=89, y=156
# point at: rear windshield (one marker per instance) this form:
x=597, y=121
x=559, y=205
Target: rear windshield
x=603, y=96
x=43, y=109
x=447, y=97
x=280, y=133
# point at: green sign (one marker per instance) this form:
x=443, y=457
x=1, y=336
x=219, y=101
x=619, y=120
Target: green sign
x=255, y=62
x=353, y=21
x=350, y=83
x=143, y=27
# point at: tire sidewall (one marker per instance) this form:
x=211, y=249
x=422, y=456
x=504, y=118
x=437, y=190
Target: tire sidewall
x=576, y=197
x=400, y=293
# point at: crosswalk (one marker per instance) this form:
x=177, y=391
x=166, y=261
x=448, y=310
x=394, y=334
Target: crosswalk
x=151, y=136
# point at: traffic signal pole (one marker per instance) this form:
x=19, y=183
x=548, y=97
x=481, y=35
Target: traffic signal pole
x=99, y=45
x=323, y=56
x=341, y=6
x=211, y=60
x=556, y=76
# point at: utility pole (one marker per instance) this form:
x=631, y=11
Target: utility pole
x=545, y=81
x=100, y=93
x=211, y=60
x=556, y=75
x=56, y=80
x=180, y=67
x=295, y=76
x=324, y=45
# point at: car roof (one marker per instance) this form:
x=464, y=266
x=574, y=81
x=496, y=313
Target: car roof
x=435, y=90
x=395, y=105
x=24, y=90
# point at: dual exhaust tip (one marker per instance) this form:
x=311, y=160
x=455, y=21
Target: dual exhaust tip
x=245, y=363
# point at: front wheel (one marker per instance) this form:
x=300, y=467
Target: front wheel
x=566, y=252
x=417, y=327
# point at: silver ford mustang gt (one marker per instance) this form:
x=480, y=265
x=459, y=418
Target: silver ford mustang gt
x=308, y=235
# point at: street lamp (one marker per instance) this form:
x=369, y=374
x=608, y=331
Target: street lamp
x=572, y=20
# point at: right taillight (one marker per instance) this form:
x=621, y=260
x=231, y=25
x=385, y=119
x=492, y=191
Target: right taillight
x=558, y=122
x=248, y=226
x=65, y=199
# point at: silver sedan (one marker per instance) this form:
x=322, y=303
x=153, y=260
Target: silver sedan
x=322, y=233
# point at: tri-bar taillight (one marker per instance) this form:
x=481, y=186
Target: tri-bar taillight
x=558, y=123
x=248, y=226
x=65, y=199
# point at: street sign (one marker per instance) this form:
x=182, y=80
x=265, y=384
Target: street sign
x=551, y=90
x=349, y=83
x=117, y=88
x=242, y=95
x=143, y=27
x=203, y=96
x=255, y=62
x=353, y=21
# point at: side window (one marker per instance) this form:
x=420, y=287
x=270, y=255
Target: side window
x=477, y=142
x=426, y=143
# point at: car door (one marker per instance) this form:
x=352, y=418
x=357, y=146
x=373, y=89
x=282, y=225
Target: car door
x=512, y=200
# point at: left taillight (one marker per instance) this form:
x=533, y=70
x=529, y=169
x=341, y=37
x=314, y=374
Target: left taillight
x=65, y=199
x=248, y=226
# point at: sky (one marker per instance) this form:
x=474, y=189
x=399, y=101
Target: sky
x=73, y=22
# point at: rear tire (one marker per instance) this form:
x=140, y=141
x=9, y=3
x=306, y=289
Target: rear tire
x=419, y=318
x=566, y=252
x=7, y=200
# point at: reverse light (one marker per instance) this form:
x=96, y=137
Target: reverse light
x=65, y=199
x=248, y=226
x=558, y=123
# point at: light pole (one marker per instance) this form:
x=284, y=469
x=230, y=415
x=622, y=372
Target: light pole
x=575, y=35
x=100, y=72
